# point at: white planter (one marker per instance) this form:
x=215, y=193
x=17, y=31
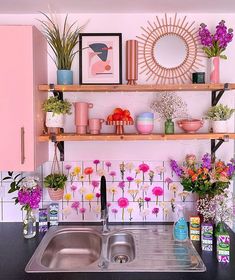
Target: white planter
x=219, y=126
x=54, y=120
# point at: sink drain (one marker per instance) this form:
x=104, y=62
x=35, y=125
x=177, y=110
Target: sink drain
x=121, y=259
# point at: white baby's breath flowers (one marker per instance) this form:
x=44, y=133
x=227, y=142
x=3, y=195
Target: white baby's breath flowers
x=169, y=106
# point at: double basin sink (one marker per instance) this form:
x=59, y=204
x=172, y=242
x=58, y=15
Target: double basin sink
x=139, y=249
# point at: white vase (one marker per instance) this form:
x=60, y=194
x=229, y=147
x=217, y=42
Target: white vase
x=219, y=126
x=54, y=120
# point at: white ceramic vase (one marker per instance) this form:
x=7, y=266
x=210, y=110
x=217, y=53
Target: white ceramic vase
x=219, y=126
x=54, y=120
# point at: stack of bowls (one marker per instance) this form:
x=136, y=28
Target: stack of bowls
x=144, y=123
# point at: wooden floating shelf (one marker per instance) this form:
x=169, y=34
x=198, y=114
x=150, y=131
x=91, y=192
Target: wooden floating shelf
x=136, y=88
x=136, y=137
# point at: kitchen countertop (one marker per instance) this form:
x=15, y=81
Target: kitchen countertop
x=15, y=252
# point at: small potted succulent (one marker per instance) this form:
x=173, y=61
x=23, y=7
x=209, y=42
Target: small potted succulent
x=63, y=42
x=218, y=115
x=56, y=109
x=55, y=182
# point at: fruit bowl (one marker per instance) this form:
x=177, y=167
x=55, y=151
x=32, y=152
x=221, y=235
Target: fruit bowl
x=190, y=125
x=119, y=118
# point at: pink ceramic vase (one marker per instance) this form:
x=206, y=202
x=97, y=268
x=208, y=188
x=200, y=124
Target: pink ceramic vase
x=214, y=70
x=81, y=116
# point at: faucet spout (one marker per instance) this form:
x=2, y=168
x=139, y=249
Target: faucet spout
x=104, y=208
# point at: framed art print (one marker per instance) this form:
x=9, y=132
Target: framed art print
x=100, y=58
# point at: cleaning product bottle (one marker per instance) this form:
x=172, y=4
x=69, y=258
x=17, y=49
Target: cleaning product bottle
x=180, y=228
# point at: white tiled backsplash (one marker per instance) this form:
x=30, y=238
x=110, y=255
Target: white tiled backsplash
x=137, y=190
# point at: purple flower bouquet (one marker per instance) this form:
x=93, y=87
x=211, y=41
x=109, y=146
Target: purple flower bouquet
x=215, y=44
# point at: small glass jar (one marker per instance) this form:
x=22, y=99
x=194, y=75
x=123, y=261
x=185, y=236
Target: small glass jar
x=29, y=224
x=169, y=127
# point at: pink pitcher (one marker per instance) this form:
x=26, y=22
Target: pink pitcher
x=81, y=116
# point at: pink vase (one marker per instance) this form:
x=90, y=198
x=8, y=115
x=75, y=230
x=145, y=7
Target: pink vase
x=131, y=62
x=214, y=70
x=81, y=116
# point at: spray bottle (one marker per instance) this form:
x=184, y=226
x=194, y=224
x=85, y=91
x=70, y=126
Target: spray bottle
x=180, y=228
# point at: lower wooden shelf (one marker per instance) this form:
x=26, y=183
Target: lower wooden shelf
x=137, y=137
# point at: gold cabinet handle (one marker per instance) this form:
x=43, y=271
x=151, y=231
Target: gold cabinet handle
x=22, y=146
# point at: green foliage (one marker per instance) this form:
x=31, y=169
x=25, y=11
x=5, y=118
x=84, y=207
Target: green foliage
x=204, y=187
x=214, y=50
x=57, y=106
x=15, y=183
x=55, y=181
x=219, y=113
x=62, y=42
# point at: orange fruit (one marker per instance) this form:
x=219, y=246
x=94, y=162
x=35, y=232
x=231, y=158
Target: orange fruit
x=118, y=111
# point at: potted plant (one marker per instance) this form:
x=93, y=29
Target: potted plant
x=169, y=106
x=56, y=109
x=219, y=115
x=62, y=42
x=55, y=182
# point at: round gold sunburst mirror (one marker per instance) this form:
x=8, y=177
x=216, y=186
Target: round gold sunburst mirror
x=169, y=50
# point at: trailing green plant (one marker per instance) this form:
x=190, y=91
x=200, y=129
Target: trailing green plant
x=219, y=113
x=62, y=41
x=55, y=181
x=57, y=106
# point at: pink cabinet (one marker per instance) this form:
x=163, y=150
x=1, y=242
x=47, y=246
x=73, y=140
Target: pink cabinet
x=23, y=66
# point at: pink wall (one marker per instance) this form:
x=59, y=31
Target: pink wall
x=129, y=25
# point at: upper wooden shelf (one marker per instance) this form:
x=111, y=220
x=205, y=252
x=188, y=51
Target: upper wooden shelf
x=137, y=88
x=136, y=137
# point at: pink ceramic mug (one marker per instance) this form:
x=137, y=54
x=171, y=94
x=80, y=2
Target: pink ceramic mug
x=81, y=113
x=95, y=125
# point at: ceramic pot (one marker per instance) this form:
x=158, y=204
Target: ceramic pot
x=55, y=195
x=190, y=125
x=219, y=126
x=95, y=125
x=214, y=70
x=64, y=77
x=54, y=120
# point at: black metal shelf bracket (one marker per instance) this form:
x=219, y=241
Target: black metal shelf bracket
x=60, y=144
x=217, y=94
x=215, y=144
x=57, y=93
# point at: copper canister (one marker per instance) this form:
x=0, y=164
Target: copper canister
x=131, y=62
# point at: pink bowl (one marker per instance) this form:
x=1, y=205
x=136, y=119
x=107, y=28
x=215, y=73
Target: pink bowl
x=144, y=128
x=190, y=125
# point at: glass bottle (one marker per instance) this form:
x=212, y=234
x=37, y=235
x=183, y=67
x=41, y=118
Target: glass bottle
x=29, y=224
x=169, y=127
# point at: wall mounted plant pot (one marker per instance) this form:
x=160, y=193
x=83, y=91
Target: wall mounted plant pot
x=64, y=77
x=54, y=120
x=219, y=126
x=55, y=195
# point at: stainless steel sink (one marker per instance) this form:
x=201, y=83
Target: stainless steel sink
x=73, y=249
x=145, y=248
x=121, y=248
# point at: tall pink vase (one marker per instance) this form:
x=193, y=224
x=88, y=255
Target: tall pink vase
x=81, y=116
x=214, y=70
x=131, y=62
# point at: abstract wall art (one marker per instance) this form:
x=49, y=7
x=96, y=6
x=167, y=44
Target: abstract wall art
x=100, y=58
